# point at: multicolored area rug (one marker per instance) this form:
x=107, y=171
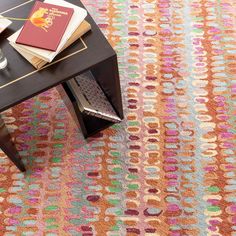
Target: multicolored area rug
x=169, y=167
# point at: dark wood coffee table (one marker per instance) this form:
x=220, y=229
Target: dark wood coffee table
x=21, y=81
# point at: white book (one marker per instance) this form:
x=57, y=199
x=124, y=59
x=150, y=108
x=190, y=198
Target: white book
x=46, y=55
x=90, y=98
x=4, y=23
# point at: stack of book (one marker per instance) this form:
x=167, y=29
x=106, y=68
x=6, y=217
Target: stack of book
x=51, y=27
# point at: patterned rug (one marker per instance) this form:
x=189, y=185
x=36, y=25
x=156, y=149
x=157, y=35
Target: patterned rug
x=169, y=167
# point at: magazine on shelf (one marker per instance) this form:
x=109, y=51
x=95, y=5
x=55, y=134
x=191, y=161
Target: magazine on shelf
x=91, y=99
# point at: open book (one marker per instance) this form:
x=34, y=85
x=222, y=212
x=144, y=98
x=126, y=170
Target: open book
x=91, y=99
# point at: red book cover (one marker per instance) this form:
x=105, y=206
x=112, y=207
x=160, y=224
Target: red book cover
x=45, y=26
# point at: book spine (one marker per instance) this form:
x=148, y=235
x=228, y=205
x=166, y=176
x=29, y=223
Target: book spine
x=102, y=116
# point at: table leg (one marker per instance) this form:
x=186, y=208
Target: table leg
x=107, y=75
x=8, y=147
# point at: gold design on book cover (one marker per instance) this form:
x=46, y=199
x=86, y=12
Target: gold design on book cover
x=44, y=17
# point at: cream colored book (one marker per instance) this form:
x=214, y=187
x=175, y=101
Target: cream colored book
x=4, y=23
x=38, y=62
x=46, y=55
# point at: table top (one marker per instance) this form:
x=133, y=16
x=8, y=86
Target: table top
x=20, y=80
